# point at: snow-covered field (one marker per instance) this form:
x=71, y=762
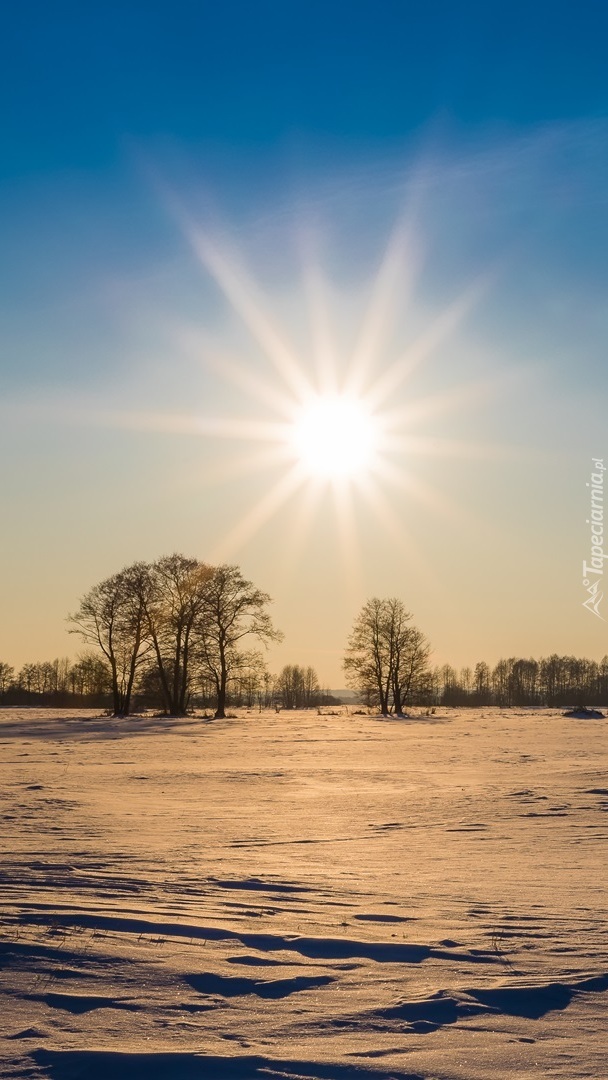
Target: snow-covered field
x=298, y=895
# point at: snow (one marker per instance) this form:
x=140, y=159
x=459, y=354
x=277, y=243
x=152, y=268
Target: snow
x=299, y=895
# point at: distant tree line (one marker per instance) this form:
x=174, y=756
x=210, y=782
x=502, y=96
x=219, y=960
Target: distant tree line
x=60, y=682
x=87, y=682
x=552, y=680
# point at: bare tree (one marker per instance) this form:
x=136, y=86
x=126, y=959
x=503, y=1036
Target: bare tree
x=233, y=609
x=298, y=687
x=385, y=656
x=312, y=687
x=247, y=677
x=90, y=675
x=111, y=617
x=6, y=676
x=368, y=661
x=411, y=667
x=173, y=597
x=482, y=678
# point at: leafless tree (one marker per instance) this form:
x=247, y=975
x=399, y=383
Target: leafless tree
x=233, y=609
x=481, y=680
x=411, y=667
x=6, y=676
x=298, y=687
x=386, y=658
x=368, y=660
x=246, y=678
x=90, y=675
x=111, y=617
x=173, y=596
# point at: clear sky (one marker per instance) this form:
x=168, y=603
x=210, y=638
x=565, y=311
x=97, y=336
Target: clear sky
x=211, y=213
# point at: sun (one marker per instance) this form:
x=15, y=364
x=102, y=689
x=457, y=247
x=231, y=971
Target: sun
x=334, y=437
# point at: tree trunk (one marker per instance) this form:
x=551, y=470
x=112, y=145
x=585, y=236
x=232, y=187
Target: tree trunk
x=383, y=695
x=132, y=670
x=116, y=697
x=183, y=694
x=175, y=695
x=166, y=693
x=220, y=712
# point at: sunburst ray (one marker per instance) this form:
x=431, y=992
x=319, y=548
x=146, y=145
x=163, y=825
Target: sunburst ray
x=228, y=368
x=299, y=526
x=259, y=514
x=398, y=532
x=348, y=537
x=323, y=349
x=378, y=317
x=245, y=300
x=440, y=329
x=439, y=502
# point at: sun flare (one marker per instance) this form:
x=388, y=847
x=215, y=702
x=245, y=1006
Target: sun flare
x=335, y=429
x=334, y=436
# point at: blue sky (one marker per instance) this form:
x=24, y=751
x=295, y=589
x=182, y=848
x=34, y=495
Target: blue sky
x=80, y=78
x=486, y=124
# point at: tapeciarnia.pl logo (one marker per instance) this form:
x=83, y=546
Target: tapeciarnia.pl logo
x=593, y=571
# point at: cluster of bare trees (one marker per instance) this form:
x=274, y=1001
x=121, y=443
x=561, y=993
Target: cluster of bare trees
x=58, y=681
x=552, y=680
x=251, y=684
x=173, y=624
x=387, y=659
x=298, y=687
